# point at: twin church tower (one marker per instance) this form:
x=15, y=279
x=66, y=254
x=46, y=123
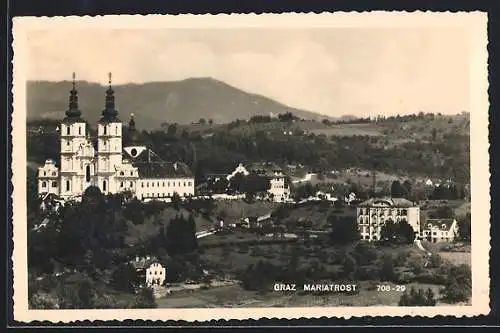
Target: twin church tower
x=105, y=164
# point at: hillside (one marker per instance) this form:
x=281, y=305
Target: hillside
x=153, y=103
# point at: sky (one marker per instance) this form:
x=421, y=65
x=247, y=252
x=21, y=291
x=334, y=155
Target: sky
x=332, y=71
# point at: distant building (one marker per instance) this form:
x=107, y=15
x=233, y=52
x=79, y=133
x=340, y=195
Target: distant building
x=104, y=163
x=279, y=187
x=155, y=275
x=440, y=230
x=150, y=271
x=374, y=213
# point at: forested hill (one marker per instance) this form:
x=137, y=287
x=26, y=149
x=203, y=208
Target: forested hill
x=154, y=103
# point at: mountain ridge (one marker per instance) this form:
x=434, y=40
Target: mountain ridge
x=154, y=103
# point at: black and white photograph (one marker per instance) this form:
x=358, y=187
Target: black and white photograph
x=284, y=165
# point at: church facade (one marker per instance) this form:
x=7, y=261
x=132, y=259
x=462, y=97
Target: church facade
x=104, y=163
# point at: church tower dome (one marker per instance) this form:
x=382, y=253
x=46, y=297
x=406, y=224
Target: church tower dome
x=110, y=114
x=73, y=114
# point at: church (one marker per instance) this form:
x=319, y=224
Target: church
x=104, y=163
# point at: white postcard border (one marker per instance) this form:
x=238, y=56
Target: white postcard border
x=480, y=207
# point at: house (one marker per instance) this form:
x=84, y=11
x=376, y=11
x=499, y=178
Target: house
x=150, y=271
x=440, y=230
x=279, y=189
x=372, y=215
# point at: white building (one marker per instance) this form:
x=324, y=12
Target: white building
x=105, y=163
x=374, y=213
x=155, y=275
x=440, y=230
x=279, y=188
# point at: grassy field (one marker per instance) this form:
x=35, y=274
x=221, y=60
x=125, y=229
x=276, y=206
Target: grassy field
x=236, y=296
x=235, y=210
x=349, y=130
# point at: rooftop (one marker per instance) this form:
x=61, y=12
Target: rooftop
x=150, y=165
x=438, y=223
x=387, y=202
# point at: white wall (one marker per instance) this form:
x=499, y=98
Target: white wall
x=164, y=187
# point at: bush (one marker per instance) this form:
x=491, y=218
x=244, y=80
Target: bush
x=417, y=298
x=458, y=286
x=387, y=272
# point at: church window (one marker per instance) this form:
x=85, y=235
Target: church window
x=54, y=184
x=121, y=184
x=67, y=185
x=79, y=130
x=67, y=143
x=44, y=184
x=104, y=186
x=67, y=130
x=105, y=129
x=44, y=173
x=131, y=173
x=131, y=184
x=87, y=173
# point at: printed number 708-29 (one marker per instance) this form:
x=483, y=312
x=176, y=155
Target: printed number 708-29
x=388, y=287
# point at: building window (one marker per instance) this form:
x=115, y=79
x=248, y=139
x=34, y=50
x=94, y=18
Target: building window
x=44, y=184
x=105, y=128
x=152, y=184
x=121, y=184
x=189, y=183
x=163, y=184
x=168, y=184
x=53, y=173
x=131, y=184
x=104, y=186
x=142, y=184
x=184, y=184
x=79, y=130
x=54, y=184
x=67, y=130
x=131, y=173
x=44, y=173
x=87, y=173
x=67, y=143
x=67, y=185
x=122, y=173
x=158, y=184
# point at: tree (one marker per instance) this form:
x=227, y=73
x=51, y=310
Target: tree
x=172, y=129
x=124, y=278
x=444, y=212
x=344, y=229
x=417, y=298
x=397, y=233
x=458, y=286
x=464, y=227
x=397, y=190
x=145, y=300
x=349, y=266
x=181, y=235
x=387, y=272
